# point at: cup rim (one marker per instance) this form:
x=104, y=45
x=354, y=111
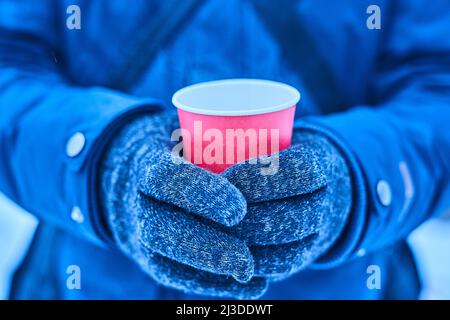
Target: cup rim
x=292, y=100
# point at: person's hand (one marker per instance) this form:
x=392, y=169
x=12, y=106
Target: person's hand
x=296, y=214
x=170, y=218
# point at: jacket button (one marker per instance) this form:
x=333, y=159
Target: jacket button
x=361, y=252
x=384, y=193
x=75, y=144
x=76, y=215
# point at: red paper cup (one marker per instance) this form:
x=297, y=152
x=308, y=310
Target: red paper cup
x=228, y=121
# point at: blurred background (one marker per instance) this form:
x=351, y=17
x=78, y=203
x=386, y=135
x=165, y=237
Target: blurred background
x=16, y=231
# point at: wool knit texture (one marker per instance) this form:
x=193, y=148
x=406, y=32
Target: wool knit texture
x=295, y=215
x=223, y=235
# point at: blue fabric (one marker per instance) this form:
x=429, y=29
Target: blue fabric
x=53, y=82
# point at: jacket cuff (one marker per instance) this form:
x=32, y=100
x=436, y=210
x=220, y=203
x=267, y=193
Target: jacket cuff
x=346, y=245
x=83, y=169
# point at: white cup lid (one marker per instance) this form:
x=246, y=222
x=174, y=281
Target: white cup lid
x=236, y=97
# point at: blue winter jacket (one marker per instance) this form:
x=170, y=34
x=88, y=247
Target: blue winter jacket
x=383, y=95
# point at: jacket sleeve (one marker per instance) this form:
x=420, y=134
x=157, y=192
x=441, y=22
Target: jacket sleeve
x=398, y=148
x=52, y=133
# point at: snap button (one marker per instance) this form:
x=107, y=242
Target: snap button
x=77, y=215
x=75, y=144
x=361, y=252
x=384, y=192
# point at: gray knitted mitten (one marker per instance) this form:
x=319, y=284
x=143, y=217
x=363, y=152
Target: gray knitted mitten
x=170, y=218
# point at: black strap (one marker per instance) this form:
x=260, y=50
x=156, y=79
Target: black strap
x=301, y=52
x=172, y=16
